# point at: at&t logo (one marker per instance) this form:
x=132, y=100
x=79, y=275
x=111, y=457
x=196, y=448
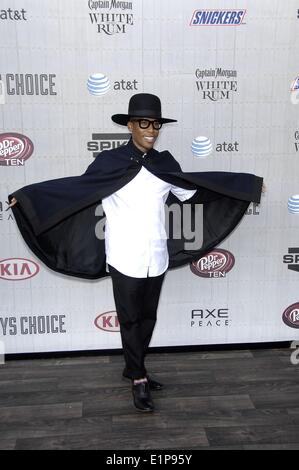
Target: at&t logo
x=98, y=84
x=201, y=146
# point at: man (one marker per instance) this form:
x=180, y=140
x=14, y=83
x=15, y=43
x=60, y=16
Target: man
x=138, y=258
x=136, y=245
x=57, y=220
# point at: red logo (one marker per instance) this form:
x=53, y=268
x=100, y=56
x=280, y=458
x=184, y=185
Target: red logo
x=15, y=149
x=107, y=321
x=291, y=316
x=216, y=263
x=17, y=269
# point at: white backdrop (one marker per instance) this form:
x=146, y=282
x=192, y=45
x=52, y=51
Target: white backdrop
x=232, y=82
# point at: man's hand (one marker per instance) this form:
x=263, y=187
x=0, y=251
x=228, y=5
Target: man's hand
x=13, y=202
x=264, y=189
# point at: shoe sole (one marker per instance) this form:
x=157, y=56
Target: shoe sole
x=143, y=411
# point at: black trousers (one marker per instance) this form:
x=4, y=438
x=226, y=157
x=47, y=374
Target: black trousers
x=136, y=301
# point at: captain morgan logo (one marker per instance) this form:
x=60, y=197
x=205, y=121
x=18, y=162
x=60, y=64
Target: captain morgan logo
x=111, y=17
x=216, y=84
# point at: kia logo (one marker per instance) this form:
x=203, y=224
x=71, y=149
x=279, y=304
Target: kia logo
x=17, y=269
x=107, y=321
x=216, y=263
x=14, y=147
x=291, y=316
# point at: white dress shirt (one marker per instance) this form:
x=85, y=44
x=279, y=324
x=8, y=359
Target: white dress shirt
x=135, y=235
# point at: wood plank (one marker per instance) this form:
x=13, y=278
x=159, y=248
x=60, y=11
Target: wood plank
x=50, y=426
x=246, y=435
x=211, y=418
x=154, y=439
x=24, y=413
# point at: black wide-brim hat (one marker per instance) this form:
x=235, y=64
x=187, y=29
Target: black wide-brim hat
x=142, y=105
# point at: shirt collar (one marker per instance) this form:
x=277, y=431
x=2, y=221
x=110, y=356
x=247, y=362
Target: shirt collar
x=135, y=151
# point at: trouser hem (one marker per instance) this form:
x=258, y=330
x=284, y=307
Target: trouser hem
x=134, y=376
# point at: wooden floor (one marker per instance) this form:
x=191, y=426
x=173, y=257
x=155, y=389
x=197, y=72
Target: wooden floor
x=246, y=399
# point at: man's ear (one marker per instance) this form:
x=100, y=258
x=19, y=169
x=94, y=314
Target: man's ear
x=130, y=126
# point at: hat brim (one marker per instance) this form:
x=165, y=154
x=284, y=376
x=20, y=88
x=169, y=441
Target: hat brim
x=123, y=119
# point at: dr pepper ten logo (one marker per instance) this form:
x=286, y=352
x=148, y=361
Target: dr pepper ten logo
x=15, y=149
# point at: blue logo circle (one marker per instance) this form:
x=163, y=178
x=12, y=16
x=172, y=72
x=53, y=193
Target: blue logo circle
x=201, y=146
x=98, y=84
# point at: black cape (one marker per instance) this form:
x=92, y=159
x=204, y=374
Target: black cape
x=57, y=217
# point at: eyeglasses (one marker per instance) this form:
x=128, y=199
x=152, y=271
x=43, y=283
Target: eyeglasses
x=145, y=123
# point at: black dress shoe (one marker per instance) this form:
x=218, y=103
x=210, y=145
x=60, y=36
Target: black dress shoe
x=142, y=397
x=154, y=385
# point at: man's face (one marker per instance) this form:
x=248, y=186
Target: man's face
x=144, y=139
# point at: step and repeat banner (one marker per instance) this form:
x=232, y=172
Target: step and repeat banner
x=228, y=71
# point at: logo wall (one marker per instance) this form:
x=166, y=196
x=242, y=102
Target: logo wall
x=291, y=316
x=102, y=142
x=22, y=84
x=293, y=204
x=253, y=209
x=98, y=84
x=201, y=146
x=216, y=263
x=13, y=15
x=216, y=84
x=107, y=321
x=295, y=84
x=18, y=269
x=217, y=17
x=111, y=17
x=15, y=149
x=32, y=325
x=210, y=317
x=292, y=259
x=294, y=96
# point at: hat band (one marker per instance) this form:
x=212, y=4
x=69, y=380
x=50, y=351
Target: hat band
x=145, y=113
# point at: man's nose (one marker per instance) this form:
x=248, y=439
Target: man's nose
x=150, y=132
